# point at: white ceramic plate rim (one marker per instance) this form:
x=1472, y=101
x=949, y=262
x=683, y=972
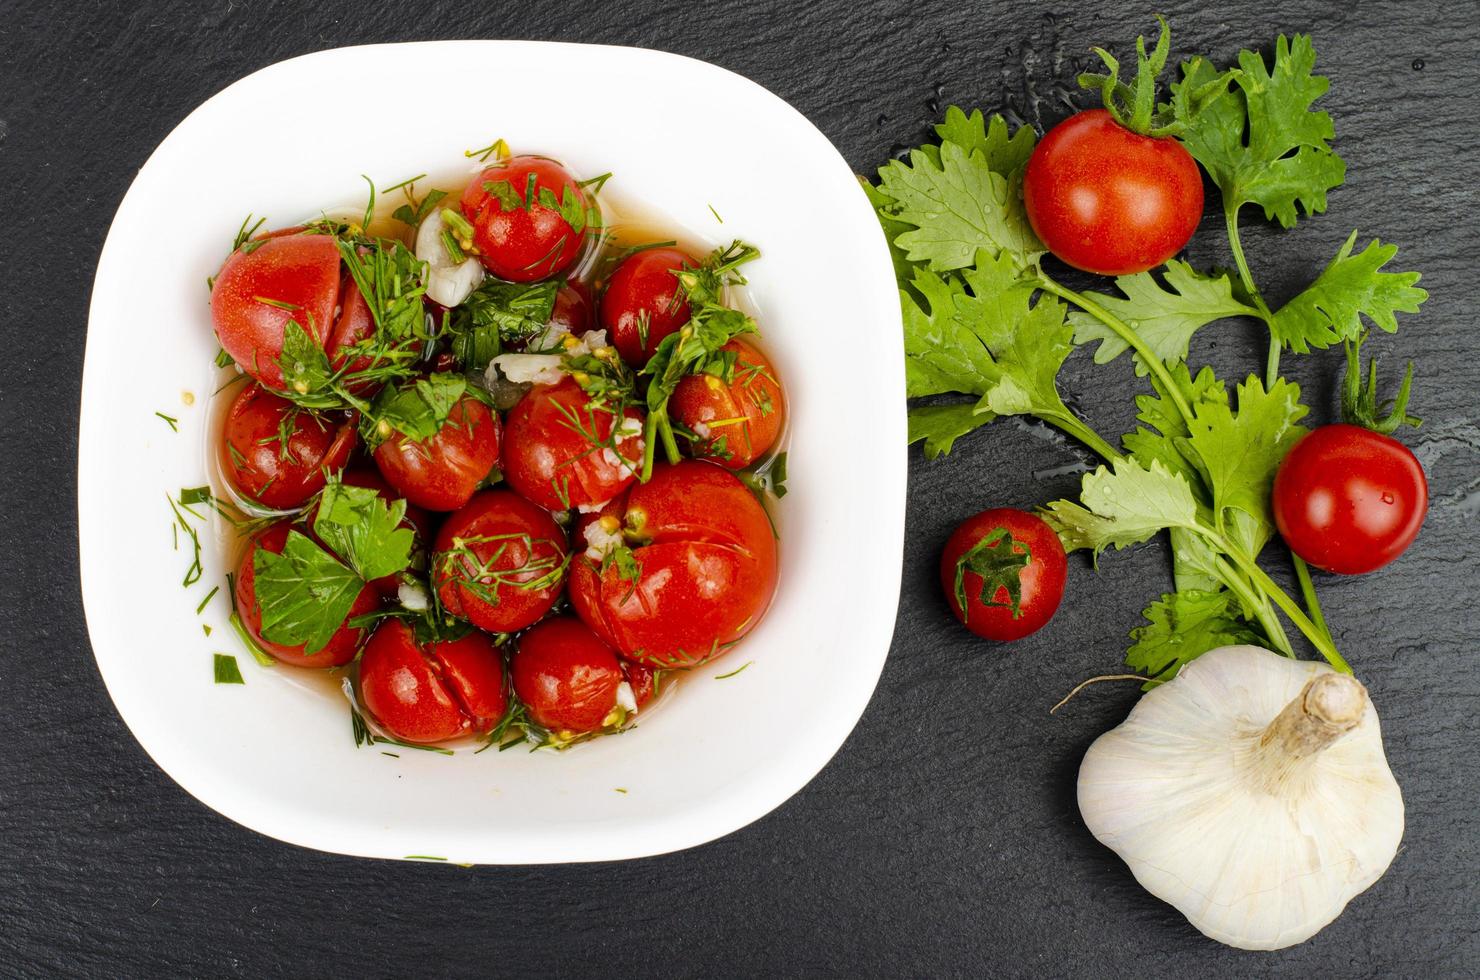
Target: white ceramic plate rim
x=104, y=577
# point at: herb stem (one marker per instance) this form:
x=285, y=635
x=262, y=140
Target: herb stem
x=1319, y=638
x=1308, y=590
x=1273, y=628
x=1079, y=429
x=1126, y=333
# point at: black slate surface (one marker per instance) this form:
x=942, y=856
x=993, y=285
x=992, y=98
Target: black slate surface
x=944, y=838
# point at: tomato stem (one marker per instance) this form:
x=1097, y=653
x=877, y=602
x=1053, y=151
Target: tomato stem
x=1126, y=333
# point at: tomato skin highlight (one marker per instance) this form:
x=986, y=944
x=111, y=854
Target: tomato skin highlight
x=1041, y=581
x=524, y=244
x=753, y=396
x=442, y=473
x=704, y=580
x=341, y=647
x=1349, y=500
x=301, y=271
x=434, y=692
x=548, y=460
x=566, y=676
x=255, y=462
x=644, y=289
x=1110, y=201
x=502, y=515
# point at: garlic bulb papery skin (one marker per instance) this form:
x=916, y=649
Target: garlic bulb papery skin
x=1251, y=792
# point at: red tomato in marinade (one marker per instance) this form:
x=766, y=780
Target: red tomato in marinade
x=566, y=676
x=559, y=449
x=341, y=647
x=704, y=573
x=499, y=562
x=432, y=692
x=644, y=303
x=442, y=472
x=527, y=241
x=277, y=454
x=736, y=421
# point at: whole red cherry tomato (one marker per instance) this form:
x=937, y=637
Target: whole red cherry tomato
x=525, y=241
x=442, y=472
x=277, y=454
x=272, y=280
x=342, y=645
x=558, y=447
x=1004, y=548
x=432, y=692
x=566, y=677
x=418, y=520
x=703, y=574
x=1348, y=499
x=1108, y=200
x=736, y=421
x=643, y=302
x=499, y=562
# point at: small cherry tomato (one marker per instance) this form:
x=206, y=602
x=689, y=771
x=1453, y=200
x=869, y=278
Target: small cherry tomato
x=994, y=554
x=703, y=569
x=526, y=240
x=643, y=302
x=432, y=692
x=1108, y=200
x=277, y=454
x=558, y=447
x=499, y=562
x=272, y=280
x=566, y=677
x=736, y=421
x=418, y=520
x=442, y=472
x=1349, y=500
x=572, y=309
x=342, y=645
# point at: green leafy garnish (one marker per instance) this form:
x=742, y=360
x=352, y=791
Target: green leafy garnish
x=1182, y=626
x=226, y=670
x=495, y=314
x=417, y=410
x=1350, y=288
x=305, y=594
x=365, y=529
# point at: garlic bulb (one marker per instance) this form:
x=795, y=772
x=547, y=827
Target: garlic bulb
x=1251, y=792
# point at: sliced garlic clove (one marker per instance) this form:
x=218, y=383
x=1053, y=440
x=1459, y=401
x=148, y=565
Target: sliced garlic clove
x=448, y=282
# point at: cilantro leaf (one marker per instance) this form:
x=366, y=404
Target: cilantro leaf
x=1258, y=138
x=1002, y=153
x=303, y=362
x=1123, y=507
x=942, y=353
x=1182, y=626
x=495, y=313
x=999, y=559
x=1240, y=452
x=956, y=205
x=1351, y=287
x=305, y=593
x=418, y=411
x=941, y=425
x=1165, y=317
x=364, y=529
x=893, y=228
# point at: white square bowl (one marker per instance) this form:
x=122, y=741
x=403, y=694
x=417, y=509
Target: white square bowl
x=680, y=135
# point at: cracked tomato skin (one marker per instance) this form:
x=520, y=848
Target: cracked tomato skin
x=644, y=289
x=432, y=692
x=566, y=676
x=442, y=473
x=341, y=647
x=1041, y=581
x=258, y=465
x=753, y=395
x=706, y=573
x=1349, y=500
x=1110, y=201
x=522, y=534
x=524, y=244
x=548, y=457
x=299, y=270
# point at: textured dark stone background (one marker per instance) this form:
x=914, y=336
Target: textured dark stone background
x=944, y=838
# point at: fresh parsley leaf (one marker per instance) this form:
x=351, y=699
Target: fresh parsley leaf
x=1258, y=138
x=1351, y=287
x=364, y=529
x=1122, y=507
x=999, y=559
x=1165, y=316
x=226, y=670
x=392, y=280
x=941, y=425
x=496, y=313
x=1003, y=152
x=1182, y=626
x=956, y=205
x=417, y=411
x=303, y=362
x=305, y=593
